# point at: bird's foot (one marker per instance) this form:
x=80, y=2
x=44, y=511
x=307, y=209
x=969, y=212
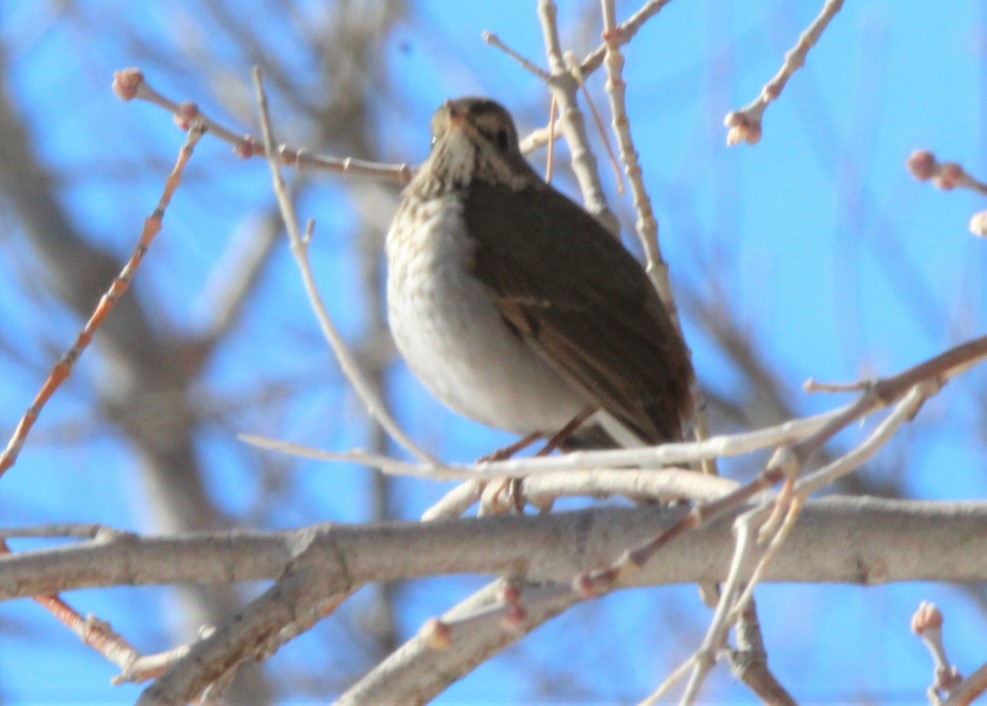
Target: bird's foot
x=501, y=496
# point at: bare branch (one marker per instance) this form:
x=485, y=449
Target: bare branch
x=788, y=462
x=625, y=34
x=119, y=287
x=129, y=84
x=495, y=41
x=745, y=124
x=417, y=672
x=749, y=661
x=646, y=225
x=299, y=249
x=849, y=540
x=972, y=687
x=664, y=455
x=564, y=88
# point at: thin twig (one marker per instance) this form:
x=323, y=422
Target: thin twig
x=927, y=623
x=455, y=502
x=625, y=34
x=129, y=84
x=93, y=632
x=947, y=176
x=594, y=60
x=745, y=529
x=63, y=368
x=646, y=225
x=664, y=455
x=495, y=41
x=637, y=485
x=903, y=413
x=745, y=124
x=299, y=249
x=787, y=463
x=564, y=87
x=553, y=111
x=670, y=681
x=417, y=672
x=573, y=65
x=737, y=591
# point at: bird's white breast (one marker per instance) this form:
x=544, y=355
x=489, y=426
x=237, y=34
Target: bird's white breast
x=452, y=336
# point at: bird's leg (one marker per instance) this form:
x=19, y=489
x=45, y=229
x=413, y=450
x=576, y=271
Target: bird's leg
x=555, y=442
x=563, y=434
x=508, y=451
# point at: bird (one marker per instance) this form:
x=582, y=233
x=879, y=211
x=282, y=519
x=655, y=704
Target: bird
x=518, y=309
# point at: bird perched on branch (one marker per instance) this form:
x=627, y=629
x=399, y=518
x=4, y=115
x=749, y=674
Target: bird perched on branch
x=516, y=308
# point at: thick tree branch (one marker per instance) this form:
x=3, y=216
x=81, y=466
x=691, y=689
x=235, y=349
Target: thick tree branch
x=852, y=540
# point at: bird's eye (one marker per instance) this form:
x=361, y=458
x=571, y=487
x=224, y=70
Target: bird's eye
x=503, y=140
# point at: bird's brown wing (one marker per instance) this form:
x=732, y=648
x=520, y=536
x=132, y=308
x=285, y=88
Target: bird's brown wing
x=566, y=286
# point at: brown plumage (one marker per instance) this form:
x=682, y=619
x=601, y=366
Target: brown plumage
x=528, y=271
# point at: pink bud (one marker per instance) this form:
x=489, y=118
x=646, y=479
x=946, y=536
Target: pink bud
x=922, y=164
x=126, y=83
x=927, y=616
x=583, y=585
x=247, y=147
x=511, y=594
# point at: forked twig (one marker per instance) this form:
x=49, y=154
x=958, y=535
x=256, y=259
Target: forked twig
x=93, y=632
x=625, y=32
x=925, y=378
x=749, y=661
x=766, y=521
x=573, y=65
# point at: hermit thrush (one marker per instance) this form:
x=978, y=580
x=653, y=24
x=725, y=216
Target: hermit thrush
x=517, y=308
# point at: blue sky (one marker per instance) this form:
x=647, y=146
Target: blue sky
x=830, y=255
